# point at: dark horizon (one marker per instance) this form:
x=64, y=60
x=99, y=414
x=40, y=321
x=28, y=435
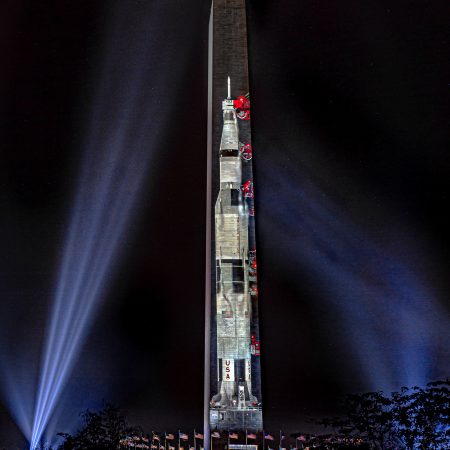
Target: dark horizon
x=350, y=113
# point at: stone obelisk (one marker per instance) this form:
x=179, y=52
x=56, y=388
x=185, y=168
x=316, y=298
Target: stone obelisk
x=232, y=353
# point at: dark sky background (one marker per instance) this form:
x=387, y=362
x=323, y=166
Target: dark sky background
x=350, y=119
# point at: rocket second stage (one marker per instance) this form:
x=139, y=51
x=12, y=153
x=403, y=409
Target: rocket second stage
x=233, y=298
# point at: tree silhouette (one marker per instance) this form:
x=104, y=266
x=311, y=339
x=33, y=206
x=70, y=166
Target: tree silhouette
x=412, y=419
x=42, y=446
x=101, y=430
x=422, y=416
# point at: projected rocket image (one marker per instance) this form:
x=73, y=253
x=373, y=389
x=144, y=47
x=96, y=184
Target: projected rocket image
x=235, y=403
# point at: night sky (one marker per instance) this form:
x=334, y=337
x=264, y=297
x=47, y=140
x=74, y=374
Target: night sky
x=350, y=120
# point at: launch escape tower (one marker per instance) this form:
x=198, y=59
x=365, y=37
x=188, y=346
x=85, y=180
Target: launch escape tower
x=232, y=373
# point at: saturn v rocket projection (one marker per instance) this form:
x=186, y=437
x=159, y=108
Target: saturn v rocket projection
x=234, y=397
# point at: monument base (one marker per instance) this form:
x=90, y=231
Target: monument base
x=236, y=419
x=242, y=447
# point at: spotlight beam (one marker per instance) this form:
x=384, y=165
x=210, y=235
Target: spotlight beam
x=115, y=210
x=67, y=321
x=389, y=314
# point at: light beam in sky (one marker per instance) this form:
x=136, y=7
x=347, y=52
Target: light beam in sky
x=122, y=137
x=392, y=323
